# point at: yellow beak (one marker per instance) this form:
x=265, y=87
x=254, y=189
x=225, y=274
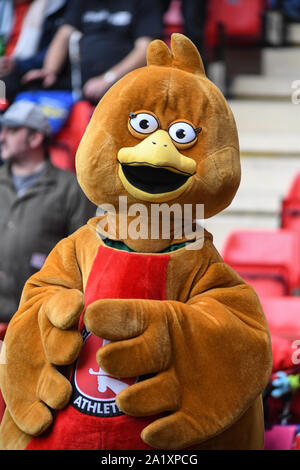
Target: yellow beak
x=158, y=150
x=154, y=169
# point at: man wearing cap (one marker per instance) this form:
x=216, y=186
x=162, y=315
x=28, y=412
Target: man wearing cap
x=39, y=203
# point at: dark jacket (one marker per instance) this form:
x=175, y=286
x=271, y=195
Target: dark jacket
x=32, y=224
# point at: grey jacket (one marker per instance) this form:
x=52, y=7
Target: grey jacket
x=32, y=224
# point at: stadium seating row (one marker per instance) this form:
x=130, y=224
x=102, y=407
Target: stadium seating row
x=269, y=260
x=266, y=259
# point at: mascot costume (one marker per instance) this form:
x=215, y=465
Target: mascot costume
x=150, y=342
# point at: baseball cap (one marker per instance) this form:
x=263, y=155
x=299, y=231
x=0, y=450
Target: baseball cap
x=26, y=114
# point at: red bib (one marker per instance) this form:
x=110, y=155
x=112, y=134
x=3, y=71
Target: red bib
x=92, y=420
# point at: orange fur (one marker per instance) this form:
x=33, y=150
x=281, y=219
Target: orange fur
x=208, y=342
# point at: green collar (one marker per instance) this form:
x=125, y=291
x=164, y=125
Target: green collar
x=117, y=244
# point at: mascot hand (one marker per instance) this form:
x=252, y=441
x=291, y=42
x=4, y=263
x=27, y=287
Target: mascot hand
x=30, y=391
x=30, y=406
x=147, y=338
x=58, y=320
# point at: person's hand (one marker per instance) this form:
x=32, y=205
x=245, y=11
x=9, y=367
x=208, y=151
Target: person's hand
x=6, y=65
x=48, y=77
x=95, y=88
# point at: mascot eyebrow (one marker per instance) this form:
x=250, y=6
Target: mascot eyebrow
x=196, y=129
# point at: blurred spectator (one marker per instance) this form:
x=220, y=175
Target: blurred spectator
x=39, y=203
x=115, y=36
x=194, y=17
x=26, y=30
x=12, y=17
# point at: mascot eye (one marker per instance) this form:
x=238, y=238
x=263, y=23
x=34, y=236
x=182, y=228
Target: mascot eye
x=183, y=133
x=143, y=123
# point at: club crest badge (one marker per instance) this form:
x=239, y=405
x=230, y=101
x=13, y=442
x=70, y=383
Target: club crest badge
x=94, y=391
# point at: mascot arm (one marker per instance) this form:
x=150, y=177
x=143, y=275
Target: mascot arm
x=210, y=357
x=28, y=379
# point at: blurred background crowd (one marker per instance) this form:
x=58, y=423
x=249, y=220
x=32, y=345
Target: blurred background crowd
x=59, y=57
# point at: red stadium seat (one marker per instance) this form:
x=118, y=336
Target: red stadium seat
x=64, y=147
x=281, y=437
x=290, y=214
x=290, y=209
x=240, y=20
x=266, y=259
x=294, y=189
x=283, y=316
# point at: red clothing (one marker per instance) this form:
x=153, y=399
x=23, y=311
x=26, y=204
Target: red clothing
x=92, y=420
x=20, y=11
